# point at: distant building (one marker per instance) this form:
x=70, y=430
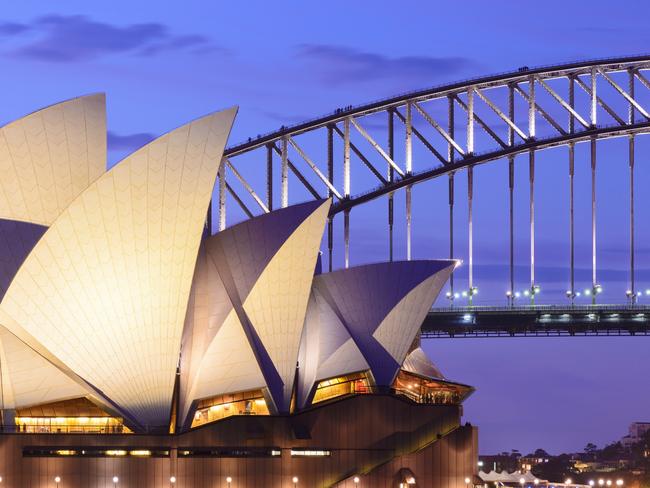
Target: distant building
x=498, y=462
x=636, y=432
x=529, y=462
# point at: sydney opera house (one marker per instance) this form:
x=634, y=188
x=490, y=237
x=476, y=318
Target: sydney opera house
x=137, y=349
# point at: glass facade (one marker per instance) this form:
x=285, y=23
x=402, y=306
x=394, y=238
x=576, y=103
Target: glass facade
x=71, y=425
x=222, y=406
x=232, y=452
x=356, y=383
x=93, y=451
x=421, y=389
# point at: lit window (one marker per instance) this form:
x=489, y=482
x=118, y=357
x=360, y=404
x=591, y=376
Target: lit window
x=356, y=383
x=222, y=406
x=115, y=452
x=310, y=453
x=141, y=452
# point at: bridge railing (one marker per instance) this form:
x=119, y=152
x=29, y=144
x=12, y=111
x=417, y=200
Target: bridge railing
x=545, y=308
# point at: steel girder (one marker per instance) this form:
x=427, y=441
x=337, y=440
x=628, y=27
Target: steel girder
x=446, y=130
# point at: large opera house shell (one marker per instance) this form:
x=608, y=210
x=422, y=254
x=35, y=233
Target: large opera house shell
x=116, y=302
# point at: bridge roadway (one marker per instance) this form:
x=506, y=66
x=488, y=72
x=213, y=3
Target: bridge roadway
x=537, y=321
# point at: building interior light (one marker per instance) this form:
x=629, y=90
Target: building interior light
x=310, y=453
x=141, y=452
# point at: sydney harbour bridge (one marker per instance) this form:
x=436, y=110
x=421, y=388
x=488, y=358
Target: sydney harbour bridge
x=381, y=151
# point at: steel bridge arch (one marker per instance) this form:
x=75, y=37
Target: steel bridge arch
x=583, y=122
x=609, y=132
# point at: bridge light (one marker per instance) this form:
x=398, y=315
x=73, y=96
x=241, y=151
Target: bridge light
x=448, y=294
x=467, y=317
x=598, y=289
x=578, y=293
x=517, y=294
x=526, y=293
x=464, y=293
x=619, y=482
x=456, y=295
x=587, y=292
x=508, y=293
x=647, y=292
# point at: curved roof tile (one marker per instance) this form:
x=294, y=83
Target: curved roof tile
x=105, y=290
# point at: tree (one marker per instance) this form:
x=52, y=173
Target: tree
x=557, y=469
x=612, y=451
x=591, y=450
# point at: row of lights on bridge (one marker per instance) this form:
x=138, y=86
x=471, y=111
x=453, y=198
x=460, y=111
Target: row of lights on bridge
x=536, y=290
x=172, y=480
x=465, y=294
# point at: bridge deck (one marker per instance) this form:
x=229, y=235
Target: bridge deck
x=537, y=321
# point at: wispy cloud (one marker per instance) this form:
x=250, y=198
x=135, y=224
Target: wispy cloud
x=128, y=142
x=73, y=38
x=12, y=28
x=340, y=65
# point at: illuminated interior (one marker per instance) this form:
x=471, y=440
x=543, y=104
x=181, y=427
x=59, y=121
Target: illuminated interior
x=77, y=416
x=421, y=389
x=222, y=406
x=356, y=383
x=71, y=425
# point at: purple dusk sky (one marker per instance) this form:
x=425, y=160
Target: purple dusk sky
x=164, y=63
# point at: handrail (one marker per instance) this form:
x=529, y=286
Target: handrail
x=544, y=308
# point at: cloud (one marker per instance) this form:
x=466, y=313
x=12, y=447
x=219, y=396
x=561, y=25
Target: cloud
x=129, y=142
x=339, y=65
x=12, y=28
x=73, y=38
